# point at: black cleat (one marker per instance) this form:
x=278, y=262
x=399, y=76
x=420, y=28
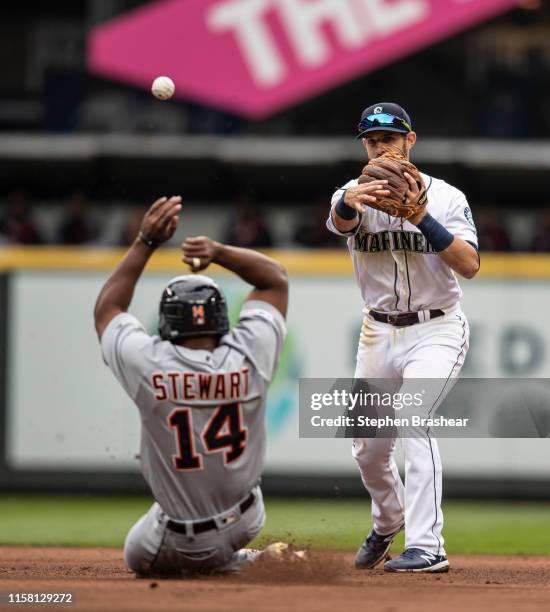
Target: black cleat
x=374, y=549
x=418, y=560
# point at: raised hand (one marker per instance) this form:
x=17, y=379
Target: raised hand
x=199, y=252
x=161, y=220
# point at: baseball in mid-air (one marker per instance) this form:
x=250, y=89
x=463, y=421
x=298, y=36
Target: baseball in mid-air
x=163, y=88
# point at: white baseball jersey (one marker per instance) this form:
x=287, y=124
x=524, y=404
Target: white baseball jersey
x=396, y=269
x=202, y=412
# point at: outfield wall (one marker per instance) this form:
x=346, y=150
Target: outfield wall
x=67, y=423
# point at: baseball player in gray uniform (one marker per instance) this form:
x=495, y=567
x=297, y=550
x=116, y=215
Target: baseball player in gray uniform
x=200, y=390
x=413, y=327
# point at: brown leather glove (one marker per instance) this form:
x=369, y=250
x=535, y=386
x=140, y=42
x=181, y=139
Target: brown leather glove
x=391, y=166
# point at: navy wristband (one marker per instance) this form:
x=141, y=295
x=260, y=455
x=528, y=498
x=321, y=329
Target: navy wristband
x=435, y=233
x=343, y=210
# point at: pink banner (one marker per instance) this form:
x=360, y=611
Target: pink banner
x=256, y=57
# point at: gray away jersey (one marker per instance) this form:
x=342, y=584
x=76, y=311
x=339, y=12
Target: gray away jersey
x=202, y=413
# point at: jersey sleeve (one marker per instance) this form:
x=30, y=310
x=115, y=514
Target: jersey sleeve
x=334, y=200
x=460, y=221
x=259, y=335
x=126, y=347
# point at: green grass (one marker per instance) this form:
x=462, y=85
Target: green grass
x=68, y=520
x=477, y=528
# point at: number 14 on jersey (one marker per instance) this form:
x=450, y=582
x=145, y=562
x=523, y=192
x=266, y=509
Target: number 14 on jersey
x=224, y=431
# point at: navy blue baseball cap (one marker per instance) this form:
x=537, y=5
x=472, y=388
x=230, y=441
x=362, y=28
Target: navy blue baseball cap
x=386, y=116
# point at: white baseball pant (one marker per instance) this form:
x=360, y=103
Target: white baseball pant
x=434, y=349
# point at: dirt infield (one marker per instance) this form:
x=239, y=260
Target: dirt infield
x=100, y=581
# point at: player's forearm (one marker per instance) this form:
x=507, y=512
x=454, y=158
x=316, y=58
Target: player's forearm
x=461, y=257
x=455, y=252
x=254, y=268
x=345, y=213
x=118, y=290
x=344, y=225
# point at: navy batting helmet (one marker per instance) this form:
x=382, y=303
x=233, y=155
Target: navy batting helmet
x=192, y=305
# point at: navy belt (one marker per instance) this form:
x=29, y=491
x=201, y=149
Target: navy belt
x=404, y=318
x=206, y=525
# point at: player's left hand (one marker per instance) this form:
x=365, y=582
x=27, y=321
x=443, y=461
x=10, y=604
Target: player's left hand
x=198, y=252
x=161, y=220
x=412, y=194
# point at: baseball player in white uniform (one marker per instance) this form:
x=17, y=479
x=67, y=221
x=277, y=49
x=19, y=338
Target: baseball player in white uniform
x=413, y=327
x=200, y=390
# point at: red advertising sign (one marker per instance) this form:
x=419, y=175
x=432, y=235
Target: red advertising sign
x=256, y=57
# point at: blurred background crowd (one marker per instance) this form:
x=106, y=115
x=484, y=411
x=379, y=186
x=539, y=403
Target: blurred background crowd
x=487, y=85
x=76, y=220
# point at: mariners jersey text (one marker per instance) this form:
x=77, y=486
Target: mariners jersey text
x=391, y=240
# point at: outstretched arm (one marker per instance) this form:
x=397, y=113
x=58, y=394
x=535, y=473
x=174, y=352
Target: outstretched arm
x=267, y=276
x=158, y=226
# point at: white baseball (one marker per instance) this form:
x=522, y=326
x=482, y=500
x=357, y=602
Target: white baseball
x=163, y=88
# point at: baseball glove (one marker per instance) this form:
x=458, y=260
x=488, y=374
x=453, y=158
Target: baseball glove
x=391, y=166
